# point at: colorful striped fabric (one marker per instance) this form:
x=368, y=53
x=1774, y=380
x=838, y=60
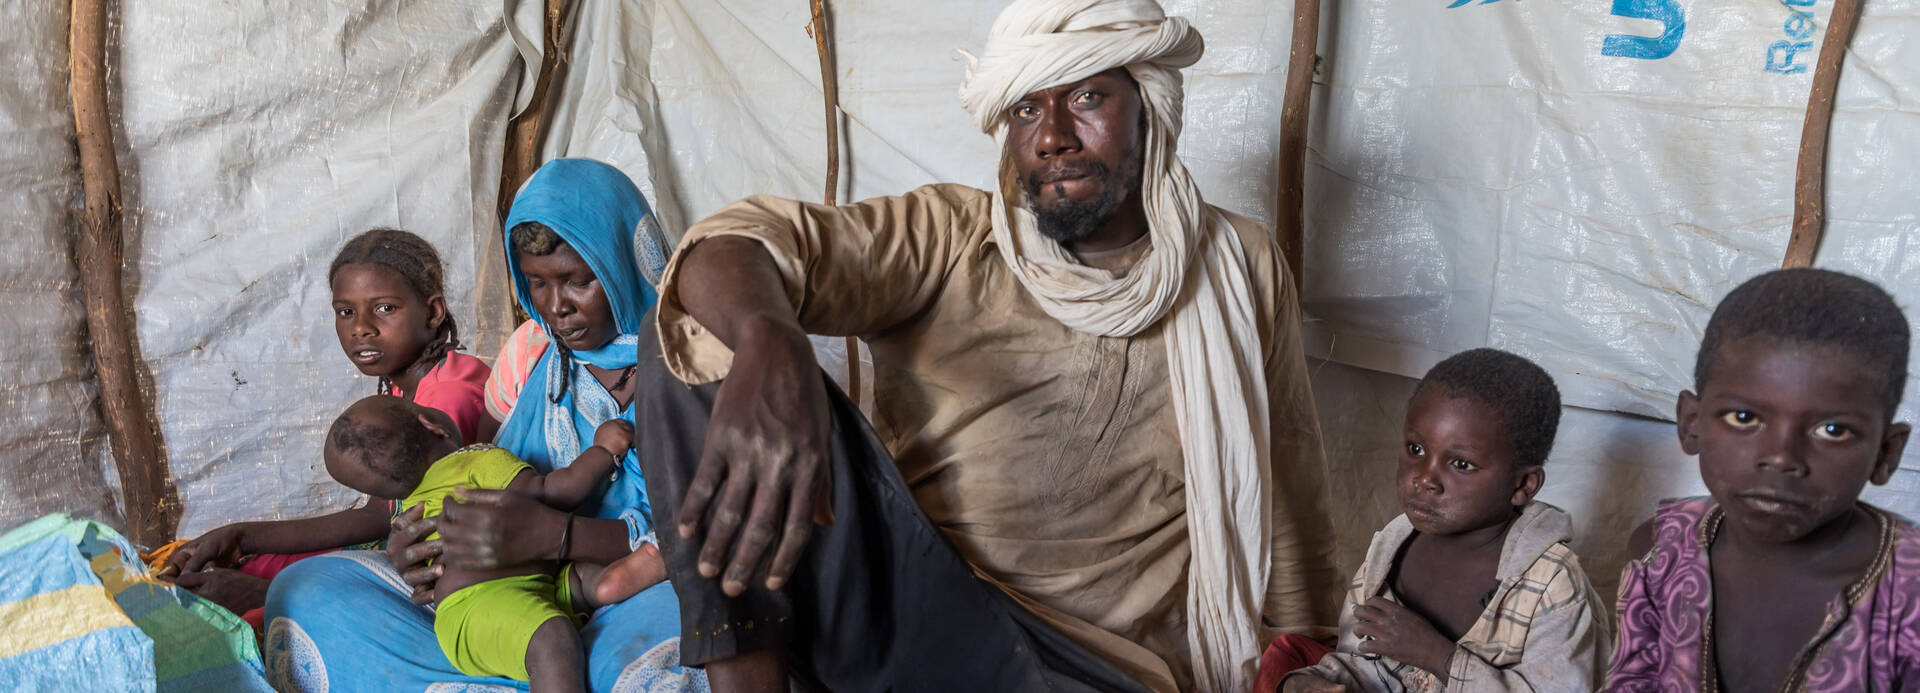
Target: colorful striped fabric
x=78, y=611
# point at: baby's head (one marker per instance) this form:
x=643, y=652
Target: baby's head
x=1479, y=427
x=1795, y=389
x=382, y=445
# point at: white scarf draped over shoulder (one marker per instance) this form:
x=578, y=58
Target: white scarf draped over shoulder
x=1195, y=275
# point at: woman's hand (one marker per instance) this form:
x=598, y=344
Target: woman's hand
x=220, y=547
x=409, y=554
x=485, y=529
x=1400, y=633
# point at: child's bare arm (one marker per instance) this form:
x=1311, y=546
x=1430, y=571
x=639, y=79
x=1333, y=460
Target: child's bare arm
x=227, y=544
x=570, y=486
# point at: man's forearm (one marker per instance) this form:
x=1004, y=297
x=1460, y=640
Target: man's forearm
x=732, y=287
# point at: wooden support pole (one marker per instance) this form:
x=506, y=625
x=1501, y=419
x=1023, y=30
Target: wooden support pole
x=152, y=505
x=1810, y=177
x=528, y=131
x=830, y=91
x=1290, y=217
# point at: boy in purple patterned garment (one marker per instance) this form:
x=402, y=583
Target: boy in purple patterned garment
x=1782, y=579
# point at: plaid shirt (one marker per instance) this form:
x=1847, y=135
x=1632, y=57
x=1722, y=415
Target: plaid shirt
x=1544, y=629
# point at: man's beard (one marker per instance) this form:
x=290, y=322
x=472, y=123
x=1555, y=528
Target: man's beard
x=1066, y=221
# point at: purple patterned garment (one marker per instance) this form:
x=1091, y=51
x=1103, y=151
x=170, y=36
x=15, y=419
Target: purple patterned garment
x=1870, y=640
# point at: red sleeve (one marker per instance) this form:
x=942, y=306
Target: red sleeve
x=457, y=387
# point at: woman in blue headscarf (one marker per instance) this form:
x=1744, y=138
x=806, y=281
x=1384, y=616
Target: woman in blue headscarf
x=583, y=252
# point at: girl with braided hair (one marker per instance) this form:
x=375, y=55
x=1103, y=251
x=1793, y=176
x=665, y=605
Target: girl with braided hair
x=390, y=312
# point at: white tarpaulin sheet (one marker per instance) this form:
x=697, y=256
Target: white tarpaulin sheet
x=1581, y=182
x=53, y=449
x=261, y=138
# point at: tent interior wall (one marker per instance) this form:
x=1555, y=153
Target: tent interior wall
x=1573, y=185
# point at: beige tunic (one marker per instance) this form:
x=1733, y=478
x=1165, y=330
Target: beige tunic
x=1050, y=457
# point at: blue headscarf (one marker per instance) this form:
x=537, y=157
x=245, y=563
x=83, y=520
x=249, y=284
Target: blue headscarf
x=595, y=209
x=600, y=214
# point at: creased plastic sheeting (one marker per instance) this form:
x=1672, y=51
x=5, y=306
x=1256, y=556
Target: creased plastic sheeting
x=261, y=138
x=53, y=449
x=1582, y=187
x=704, y=102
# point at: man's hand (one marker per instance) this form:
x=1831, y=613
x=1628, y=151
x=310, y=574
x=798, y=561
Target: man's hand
x=762, y=475
x=1310, y=683
x=237, y=591
x=1403, y=635
x=220, y=547
x=616, y=435
x=409, y=554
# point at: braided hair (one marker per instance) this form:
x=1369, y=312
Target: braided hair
x=415, y=261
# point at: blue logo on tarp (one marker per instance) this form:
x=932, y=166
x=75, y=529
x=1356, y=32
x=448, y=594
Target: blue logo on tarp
x=1464, y=3
x=1667, y=12
x=1783, y=57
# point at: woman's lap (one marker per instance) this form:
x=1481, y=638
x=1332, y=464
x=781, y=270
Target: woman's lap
x=343, y=622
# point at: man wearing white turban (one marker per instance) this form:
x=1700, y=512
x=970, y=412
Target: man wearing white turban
x=1089, y=382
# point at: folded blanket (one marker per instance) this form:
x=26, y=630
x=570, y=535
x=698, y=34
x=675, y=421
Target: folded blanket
x=79, y=611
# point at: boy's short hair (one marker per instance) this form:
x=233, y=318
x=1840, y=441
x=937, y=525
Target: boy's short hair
x=1813, y=308
x=393, y=442
x=1520, y=392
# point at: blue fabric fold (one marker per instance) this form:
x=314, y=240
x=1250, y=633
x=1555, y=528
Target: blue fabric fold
x=601, y=215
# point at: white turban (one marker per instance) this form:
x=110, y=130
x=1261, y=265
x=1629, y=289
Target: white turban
x=1196, y=274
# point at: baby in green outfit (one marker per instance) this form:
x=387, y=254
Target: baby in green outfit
x=518, y=623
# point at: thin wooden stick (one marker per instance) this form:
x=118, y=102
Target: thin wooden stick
x=527, y=131
x=152, y=504
x=1810, y=178
x=830, y=90
x=1290, y=216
